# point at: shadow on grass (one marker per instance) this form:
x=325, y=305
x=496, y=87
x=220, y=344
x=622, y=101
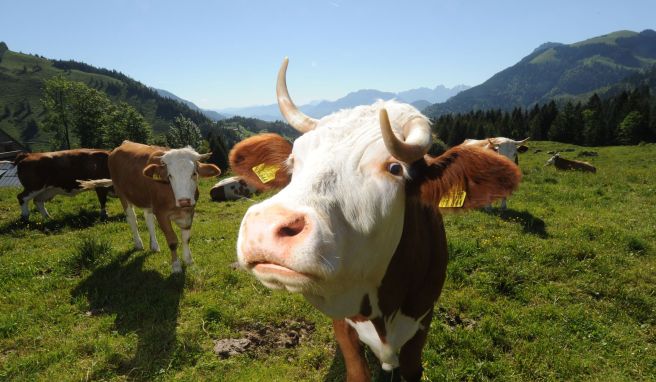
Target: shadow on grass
x=81, y=219
x=529, y=223
x=144, y=303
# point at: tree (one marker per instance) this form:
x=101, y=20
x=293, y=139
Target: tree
x=629, y=131
x=183, y=132
x=125, y=122
x=58, y=103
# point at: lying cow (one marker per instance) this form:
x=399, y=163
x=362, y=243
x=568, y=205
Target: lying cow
x=164, y=183
x=505, y=146
x=45, y=175
x=233, y=188
x=570, y=164
x=356, y=227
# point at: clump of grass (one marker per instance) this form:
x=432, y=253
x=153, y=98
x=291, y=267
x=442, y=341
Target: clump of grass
x=89, y=254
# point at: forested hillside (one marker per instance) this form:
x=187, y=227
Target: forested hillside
x=628, y=117
x=559, y=72
x=23, y=114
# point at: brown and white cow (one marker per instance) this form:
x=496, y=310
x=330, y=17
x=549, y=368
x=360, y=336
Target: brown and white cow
x=164, y=183
x=45, y=175
x=507, y=147
x=570, y=164
x=356, y=227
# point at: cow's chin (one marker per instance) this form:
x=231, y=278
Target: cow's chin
x=276, y=276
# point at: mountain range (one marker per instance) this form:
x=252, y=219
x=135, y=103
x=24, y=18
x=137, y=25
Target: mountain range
x=420, y=98
x=552, y=71
x=559, y=72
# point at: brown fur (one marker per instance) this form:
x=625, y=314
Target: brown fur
x=61, y=169
x=271, y=149
x=132, y=166
x=417, y=270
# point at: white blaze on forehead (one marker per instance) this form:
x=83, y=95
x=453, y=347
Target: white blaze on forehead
x=181, y=167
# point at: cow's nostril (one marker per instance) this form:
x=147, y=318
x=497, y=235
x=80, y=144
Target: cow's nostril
x=292, y=228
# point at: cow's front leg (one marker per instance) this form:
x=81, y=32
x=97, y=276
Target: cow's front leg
x=172, y=240
x=186, y=251
x=184, y=222
x=150, y=223
x=410, y=355
x=132, y=221
x=357, y=369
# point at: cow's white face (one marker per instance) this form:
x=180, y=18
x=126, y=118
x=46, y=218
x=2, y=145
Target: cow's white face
x=334, y=228
x=508, y=149
x=181, y=166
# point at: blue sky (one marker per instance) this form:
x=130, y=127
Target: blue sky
x=226, y=53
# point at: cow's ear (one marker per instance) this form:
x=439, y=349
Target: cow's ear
x=206, y=170
x=522, y=149
x=261, y=161
x=150, y=170
x=466, y=177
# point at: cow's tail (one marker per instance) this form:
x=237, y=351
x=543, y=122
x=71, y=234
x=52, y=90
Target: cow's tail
x=96, y=183
x=22, y=155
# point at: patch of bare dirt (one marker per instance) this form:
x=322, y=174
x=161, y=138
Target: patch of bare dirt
x=263, y=338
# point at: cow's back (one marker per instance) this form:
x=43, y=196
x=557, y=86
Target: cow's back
x=126, y=164
x=62, y=169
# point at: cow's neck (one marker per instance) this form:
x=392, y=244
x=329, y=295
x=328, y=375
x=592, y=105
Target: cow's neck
x=413, y=279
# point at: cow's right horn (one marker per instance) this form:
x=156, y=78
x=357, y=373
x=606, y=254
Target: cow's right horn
x=294, y=117
x=417, y=138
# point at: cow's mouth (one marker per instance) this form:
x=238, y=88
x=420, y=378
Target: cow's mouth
x=274, y=269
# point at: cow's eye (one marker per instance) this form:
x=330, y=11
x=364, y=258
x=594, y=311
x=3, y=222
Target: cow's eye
x=395, y=168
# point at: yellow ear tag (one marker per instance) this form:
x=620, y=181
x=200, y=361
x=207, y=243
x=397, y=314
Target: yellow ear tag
x=266, y=172
x=454, y=199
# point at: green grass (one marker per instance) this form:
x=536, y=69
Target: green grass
x=562, y=286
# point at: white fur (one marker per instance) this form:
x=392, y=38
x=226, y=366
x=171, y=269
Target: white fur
x=186, y=251
x=183, y=174
x=399, y=329
x=132, y=221
x=150, y=223
x=355, y=206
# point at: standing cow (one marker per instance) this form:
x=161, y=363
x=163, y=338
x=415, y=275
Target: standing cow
x=356, y=227
x=507, y=147
x=45, y=175
x=164, y=183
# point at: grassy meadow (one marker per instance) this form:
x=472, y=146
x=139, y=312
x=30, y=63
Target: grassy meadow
x=561, y=286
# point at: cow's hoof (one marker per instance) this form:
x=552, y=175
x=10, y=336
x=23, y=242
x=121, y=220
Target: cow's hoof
x=139, y=246
x=177, y=268
x=103, y=215
x=155, y=247
x=189, y=261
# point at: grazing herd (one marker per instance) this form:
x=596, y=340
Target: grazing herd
x=356, y=226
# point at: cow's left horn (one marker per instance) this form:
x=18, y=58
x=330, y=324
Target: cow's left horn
x=417, y=138
x=203, y=157
x=294, y=117
x=522, y=142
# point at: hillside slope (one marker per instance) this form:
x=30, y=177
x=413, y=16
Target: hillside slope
x=558, y=71
x=22, y=77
